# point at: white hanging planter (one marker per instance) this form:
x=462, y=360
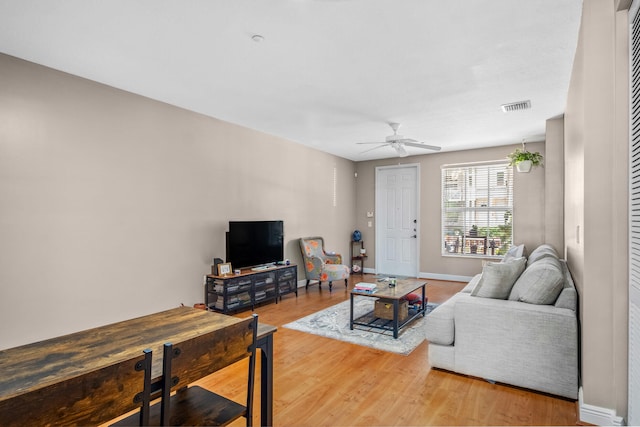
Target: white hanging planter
x=524, y=166
x=524, y=160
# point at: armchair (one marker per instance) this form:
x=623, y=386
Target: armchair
x=322, y=266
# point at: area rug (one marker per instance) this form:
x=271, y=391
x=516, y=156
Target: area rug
x=333, y=322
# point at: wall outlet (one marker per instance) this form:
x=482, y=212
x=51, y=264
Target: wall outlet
x=370, y=224
x=369, y=214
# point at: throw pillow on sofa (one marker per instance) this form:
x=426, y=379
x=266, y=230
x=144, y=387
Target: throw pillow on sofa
x=540, y=283
x=498, y=278
x=514, y=252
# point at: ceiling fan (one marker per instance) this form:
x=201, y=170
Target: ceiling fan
x=398, y=142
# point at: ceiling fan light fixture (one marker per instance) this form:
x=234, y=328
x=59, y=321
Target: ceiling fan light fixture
x=516, y=106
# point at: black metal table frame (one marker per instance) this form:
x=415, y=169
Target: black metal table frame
x=395, y=325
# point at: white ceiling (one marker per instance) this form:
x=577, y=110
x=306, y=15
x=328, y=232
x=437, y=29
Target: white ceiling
x=329, y=73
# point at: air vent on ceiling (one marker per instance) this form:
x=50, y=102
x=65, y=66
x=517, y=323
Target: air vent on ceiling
x=516, y=106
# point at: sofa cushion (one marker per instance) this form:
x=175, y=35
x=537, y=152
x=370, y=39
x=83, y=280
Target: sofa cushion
x=514, y=252
x=540, y=283
x=541, y=252
x=498, y=278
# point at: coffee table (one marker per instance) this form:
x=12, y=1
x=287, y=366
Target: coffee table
x=395, y=294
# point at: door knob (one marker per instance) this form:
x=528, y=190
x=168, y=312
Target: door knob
x=414, y=236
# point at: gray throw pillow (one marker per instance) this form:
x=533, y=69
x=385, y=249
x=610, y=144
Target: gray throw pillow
x=540, y=283
x=498, y=278
x=514, y=252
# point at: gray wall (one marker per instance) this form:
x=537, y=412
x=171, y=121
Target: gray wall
x=596, y=196
x=113, y=205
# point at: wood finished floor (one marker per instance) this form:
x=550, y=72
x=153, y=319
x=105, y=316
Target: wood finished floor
x=325, y=382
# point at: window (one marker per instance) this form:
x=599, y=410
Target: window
x=477, y=209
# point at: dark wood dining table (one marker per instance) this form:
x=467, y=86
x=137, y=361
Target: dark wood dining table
x=28, y=368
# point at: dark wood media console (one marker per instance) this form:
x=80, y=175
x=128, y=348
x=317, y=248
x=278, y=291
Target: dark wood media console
x=237, y=292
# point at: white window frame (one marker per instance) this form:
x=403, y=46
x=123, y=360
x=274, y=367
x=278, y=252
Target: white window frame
x=492, y=182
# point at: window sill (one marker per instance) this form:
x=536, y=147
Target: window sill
x=474, y=256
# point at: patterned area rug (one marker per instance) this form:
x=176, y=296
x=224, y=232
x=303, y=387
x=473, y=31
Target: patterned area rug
x=333, y=322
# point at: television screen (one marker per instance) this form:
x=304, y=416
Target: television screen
x=253, y=243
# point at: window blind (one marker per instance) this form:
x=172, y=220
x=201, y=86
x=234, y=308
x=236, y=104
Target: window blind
x=477, y=209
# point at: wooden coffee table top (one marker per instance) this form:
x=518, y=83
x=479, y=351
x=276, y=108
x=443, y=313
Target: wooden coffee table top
x=402, y=288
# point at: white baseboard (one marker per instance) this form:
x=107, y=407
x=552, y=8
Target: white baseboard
x=596, y=415
x=449, y=277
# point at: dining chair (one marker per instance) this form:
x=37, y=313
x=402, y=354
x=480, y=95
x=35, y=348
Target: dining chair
x=94, y=397
x=189, y=360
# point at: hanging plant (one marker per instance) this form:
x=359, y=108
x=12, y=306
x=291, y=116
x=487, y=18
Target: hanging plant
x=523, y=160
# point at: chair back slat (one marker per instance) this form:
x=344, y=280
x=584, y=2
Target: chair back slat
x=88, y=399
x=200, y=356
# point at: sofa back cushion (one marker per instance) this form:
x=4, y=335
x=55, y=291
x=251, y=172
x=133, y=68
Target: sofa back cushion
x=498, y=278
x=568, y=297
x=542, y=251
x=540, y=283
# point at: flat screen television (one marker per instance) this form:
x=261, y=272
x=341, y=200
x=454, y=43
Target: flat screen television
x=254, y=243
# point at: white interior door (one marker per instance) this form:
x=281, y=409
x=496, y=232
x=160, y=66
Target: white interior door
x=397, y=225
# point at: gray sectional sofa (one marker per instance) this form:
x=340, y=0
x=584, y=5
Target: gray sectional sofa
x=515, y=323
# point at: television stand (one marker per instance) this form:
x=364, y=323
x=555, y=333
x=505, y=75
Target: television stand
x=237, y=292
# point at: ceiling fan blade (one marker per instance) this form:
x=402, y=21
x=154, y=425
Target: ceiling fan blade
x=399, y=143
x=374, y=148
x=400, y=150
x=421, y=145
